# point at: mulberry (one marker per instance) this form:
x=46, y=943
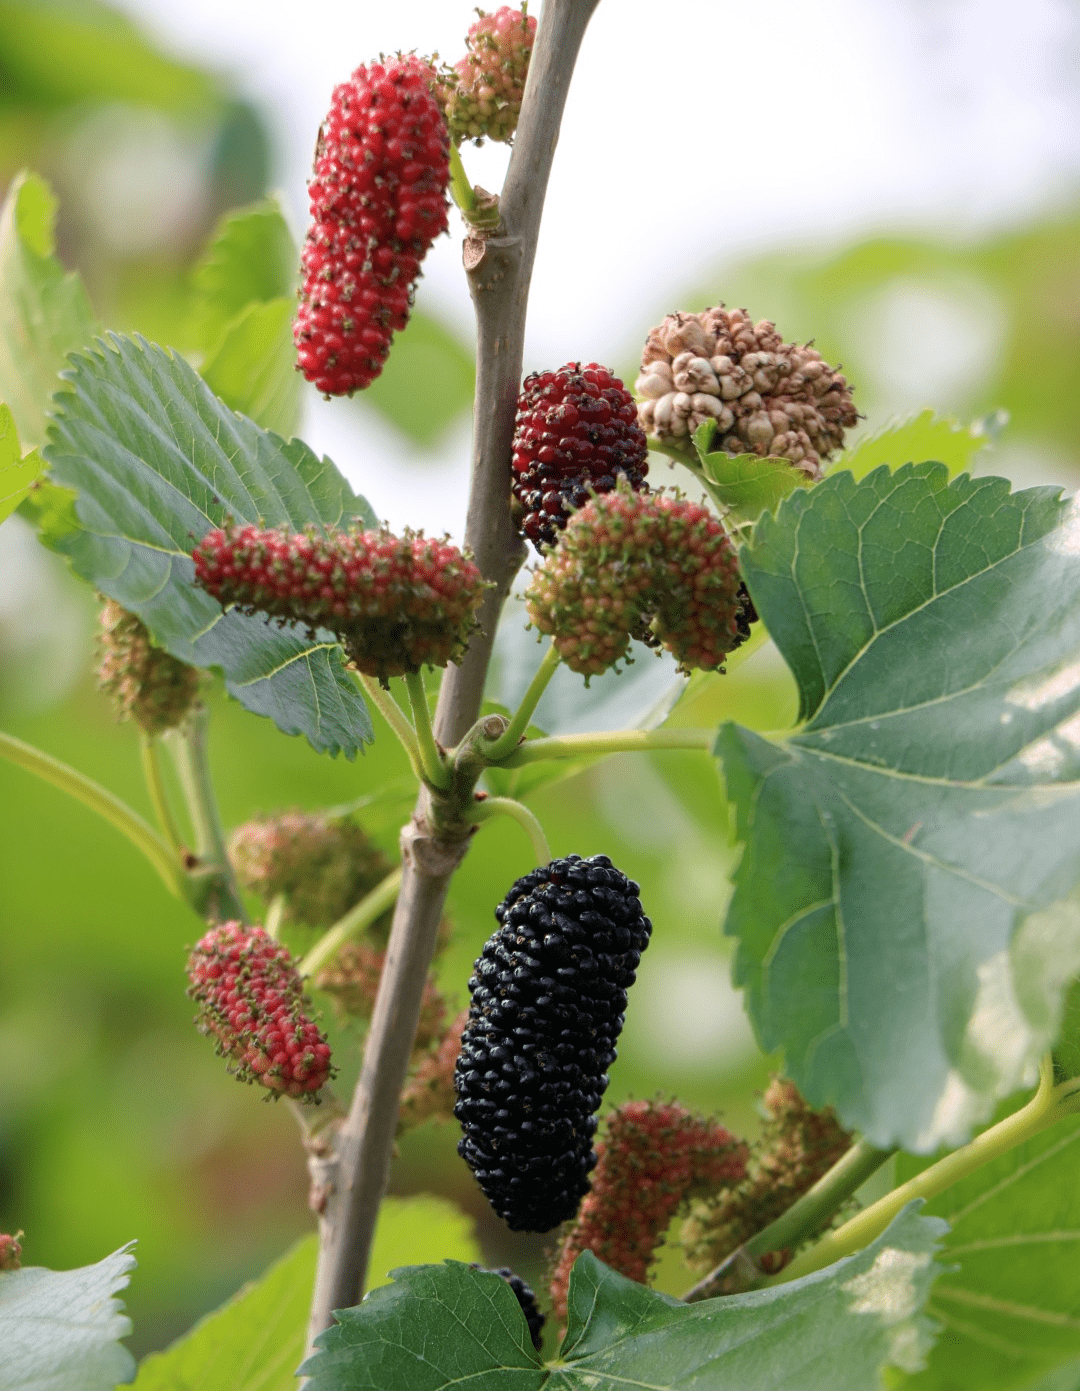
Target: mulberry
x=378, y=201
x=11, y=1253
x=526, y=1298
x=396, y=603
x=483, y=91
x=766, y=396
x=429, y=1093
x=322, y=865
x=641, y=565
x=653, y=1156
x=547, y=1007
x=146, y=683
x=576, y=434
x=251, y=1000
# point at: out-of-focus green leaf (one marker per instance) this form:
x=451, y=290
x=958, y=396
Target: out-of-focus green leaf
x=44, y=312
x=251, y=259
x=17, y=471
x=256, y=1341
x=1008, y=1301
x=427, y=382
x=923, y=436
x=744, y=485
x=253, y=369
x=904, y=902
x=157, y=461
x=442, y=1326
x=61, y=1330
x=58, y=52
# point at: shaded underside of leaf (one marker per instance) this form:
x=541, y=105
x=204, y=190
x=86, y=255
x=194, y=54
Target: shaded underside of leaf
x=156, y=460
x=903, y=904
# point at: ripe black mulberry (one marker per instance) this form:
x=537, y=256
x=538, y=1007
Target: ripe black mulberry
x=548, y=1002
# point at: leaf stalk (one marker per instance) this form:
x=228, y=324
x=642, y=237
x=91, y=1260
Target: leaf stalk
x=359, y=917
x=507, y=806
x=507, y=742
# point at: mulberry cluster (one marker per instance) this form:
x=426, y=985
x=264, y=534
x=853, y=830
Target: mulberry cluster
x=526, y=1298
x=322, y=865
x=644, y=565
x=146, y=684
x=378, y=201
x=797, y=1146
x=576, y=434
x=547, y=1007
x=429, y=1093
x=483, y=91
x=251, y=1000
x=352, y=979
x=766, y=396
x=11, y=1253
x=396, y=603
x=653, y=1156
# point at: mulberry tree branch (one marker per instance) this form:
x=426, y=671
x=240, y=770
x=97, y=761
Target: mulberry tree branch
x=349, y=1181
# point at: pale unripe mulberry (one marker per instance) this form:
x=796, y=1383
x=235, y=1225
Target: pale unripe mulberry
x=378, y=201
x=482, y=93
x=396, y=603
x=429, y=1093
x=766, y=396
x=251, y=1000
x=146, y=683
x=548, y=1001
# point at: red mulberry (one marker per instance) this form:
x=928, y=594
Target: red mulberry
x=641, y=565
x=378, y=201
x=11, y=1253
x=484, y=90
x=652, y=1157
x=576, y=434
x=396, y=603
x=547, y=1006
x=146, y=683
x=251, y=1000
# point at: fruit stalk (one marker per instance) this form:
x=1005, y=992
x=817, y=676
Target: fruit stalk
x=353, y=1175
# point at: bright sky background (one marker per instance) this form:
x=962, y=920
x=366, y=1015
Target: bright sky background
x=696, y=130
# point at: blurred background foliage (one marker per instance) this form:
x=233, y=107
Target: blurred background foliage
x=116, y=1119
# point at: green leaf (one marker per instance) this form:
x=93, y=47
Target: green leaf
x=251, y=259
x=60, y=1330
x=427, y=382
x=44, y=312
x=256, y=1341
x=920, y=437
x=157, y=460
x=442, y=1326
x=745, y=485
x=17, y=471
x=253, y=369
x=1009, y=1300
x=903, y=904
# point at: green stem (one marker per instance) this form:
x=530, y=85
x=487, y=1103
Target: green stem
x=507, y=806
x=621, y=741
x=1049, y=1104
x=461, y=190
x=804, y=1218
x=99, y=799
x=362, y=915
x=431, y=759
x=519, y=723
x=212, y=887
x=395, y=717
x=275, y=916
x=155, y=785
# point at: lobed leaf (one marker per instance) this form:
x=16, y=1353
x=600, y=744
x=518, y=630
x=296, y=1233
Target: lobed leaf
x=44, y=311
x=904, y=905
x=155, y=461
x=745, y=485
x=17, y=470
x=60, y=1330
x=442, y=1326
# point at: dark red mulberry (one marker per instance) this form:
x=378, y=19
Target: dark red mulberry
x=525, y=1297
x=251, y=999
x=548, y=1001
x=396, y=603
x=576, y=434
x=378, y=201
